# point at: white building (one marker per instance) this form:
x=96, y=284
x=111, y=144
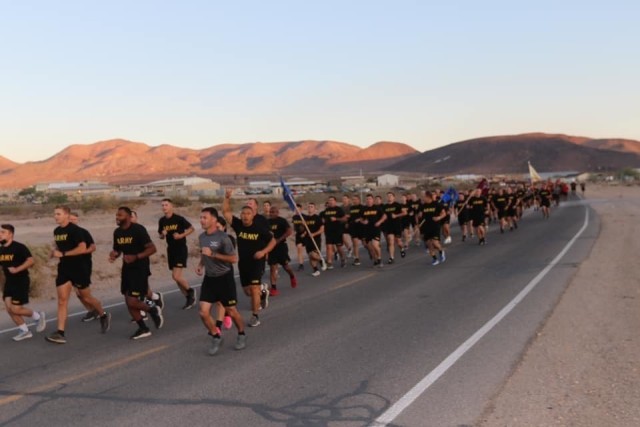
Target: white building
x=388, y=180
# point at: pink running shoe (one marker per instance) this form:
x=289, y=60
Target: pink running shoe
x=226, y=323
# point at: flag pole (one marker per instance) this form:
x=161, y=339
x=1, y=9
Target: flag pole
x=304, y=223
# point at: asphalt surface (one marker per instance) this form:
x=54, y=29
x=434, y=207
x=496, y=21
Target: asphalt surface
x=340, y=350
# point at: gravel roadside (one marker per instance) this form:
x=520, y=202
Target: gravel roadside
x=583, y=368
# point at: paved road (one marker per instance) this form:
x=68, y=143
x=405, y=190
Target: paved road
x=341, y=350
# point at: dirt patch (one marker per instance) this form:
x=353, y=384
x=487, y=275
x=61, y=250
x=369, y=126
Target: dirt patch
x=582, y=369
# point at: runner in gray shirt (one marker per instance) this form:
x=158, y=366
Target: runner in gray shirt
x=218, y=286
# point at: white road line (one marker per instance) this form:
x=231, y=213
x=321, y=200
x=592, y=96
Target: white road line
x=390, y=414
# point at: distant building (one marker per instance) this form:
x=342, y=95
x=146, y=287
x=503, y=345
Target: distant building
x=184, y=186
x=353, y=180
x=388, y=180
x=76, y=190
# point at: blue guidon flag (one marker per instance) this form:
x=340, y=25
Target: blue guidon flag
x=287, y=195
x=450, y=196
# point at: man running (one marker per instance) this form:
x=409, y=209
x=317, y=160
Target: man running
x=346, y=236
x=479, y=208
x=132, y=241
x=91, y=248
x=544, y=200
x=174, y=229
x=279, y=256
x=312, y=239
x=414, y=212
x=354, y=219
x=431, y=214
x=298, y=227
x=218, y=287
x=255, y=241
x=393, y=226
x=72, y=273
x=499, y=203
x=334, y=219
x=373, y=217
x=16, y=259
x=462, y=209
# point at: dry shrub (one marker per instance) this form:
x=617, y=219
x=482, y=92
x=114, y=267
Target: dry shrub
x=42, y=272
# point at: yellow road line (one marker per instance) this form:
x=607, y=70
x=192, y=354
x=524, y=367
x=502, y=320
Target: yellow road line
x=76, y=377
x=351, y=282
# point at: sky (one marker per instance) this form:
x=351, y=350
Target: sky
x=200, y=73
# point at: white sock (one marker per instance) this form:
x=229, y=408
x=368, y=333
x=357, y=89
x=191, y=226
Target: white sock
x=23, y=327
x=155, y=296
x=35, y=316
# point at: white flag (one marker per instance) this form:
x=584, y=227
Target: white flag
x=533, y=174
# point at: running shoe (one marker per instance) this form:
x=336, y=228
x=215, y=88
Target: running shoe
x=215, y=345
x=343, y=263
x=143, y=315
x=435, y=262
x=443, y=257
x=273, y=292
x=42, y=322
x=447, y=241
x=141, y=333
x=350, y=253
x=301, y=267
x=356, y=261
x=323, y=265
x=105, y=322
x=241, y=342
x=160, y=301
x=294, y=282
x=316, y=273
x=227, y=322
x=156, y=316
x=191, y=299
x=390, y=261
x=330, y=266
x=264, y=299
x=23, y=335
x=57, y=338
x=90, y=315
x=254, y=321
x=403, y=253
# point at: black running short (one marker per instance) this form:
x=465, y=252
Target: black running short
x=251, y=272
x=219, y=289
x=356, y=230
x=177, y=256
x=77, y=274
x=333, y=238
x=17, y=290
x=371, y=233
x=134, y=282
x=446, y=219
x=430, y=231
x=279, y=255
x=394, y=227
x=310, y=247
x=477, y=221
x=299, y=239
x=545, y=202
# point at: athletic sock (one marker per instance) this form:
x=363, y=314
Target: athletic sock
x=273, y=286
x=241, y=333
x=61, y=332
x=155, y=296
x=141, y=324
x=35, y=316
x=23, y=327
x=434, y=257
x=219, y=324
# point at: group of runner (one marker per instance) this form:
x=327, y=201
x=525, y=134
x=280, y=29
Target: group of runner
x=349, y=229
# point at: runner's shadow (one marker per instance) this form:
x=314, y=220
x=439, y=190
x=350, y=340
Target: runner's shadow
x=358, y=407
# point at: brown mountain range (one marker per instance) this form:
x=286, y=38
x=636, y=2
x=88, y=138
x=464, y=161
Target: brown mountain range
x=510, y=154
x=119, y=160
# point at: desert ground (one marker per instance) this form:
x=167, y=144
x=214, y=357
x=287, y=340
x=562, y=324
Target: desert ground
x=580, y=370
